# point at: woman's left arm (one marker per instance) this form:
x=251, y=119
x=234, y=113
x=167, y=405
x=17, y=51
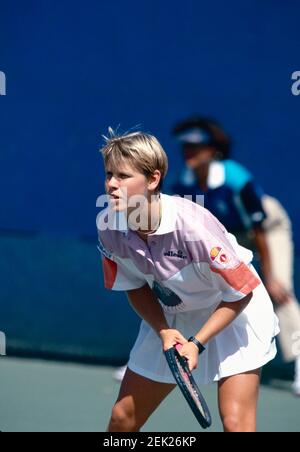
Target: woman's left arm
x=221, y=318
x=218, y=321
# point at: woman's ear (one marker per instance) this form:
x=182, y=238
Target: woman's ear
x=154, y=180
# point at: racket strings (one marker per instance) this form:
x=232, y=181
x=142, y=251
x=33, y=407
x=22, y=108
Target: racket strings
x=190, y=387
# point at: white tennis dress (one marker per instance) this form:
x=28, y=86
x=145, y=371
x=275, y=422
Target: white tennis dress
x=192, y=264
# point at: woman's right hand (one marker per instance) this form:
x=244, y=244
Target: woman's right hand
x=170, y=338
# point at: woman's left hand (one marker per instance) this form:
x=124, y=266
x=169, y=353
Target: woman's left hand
x=190, y=351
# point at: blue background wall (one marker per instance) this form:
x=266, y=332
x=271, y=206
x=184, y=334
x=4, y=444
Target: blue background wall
x=75, y=68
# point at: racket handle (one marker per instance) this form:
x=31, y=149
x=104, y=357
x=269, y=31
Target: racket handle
x=178, y=347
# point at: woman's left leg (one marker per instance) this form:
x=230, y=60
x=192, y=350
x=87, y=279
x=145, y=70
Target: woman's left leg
x=238, y=397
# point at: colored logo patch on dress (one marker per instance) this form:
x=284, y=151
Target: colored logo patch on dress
x=223, y=258
x=219, y=256
x=214, y=253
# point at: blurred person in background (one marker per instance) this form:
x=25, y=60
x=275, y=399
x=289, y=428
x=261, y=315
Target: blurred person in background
x=259, y=221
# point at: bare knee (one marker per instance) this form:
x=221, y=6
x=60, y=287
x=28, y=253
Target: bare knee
x=231, y=423
x=123, y=419
x=234, y=423
x=238, y=396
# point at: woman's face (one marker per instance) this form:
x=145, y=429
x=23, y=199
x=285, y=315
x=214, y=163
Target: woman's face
x=122, y=183
x=196, y=156
x=125, y=182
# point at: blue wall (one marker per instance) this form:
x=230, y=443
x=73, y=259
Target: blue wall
x=74, y=68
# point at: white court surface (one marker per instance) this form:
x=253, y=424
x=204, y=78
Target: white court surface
x=42, y=396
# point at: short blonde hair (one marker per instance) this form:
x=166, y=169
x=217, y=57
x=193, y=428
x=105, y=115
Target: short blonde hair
x=141, y=151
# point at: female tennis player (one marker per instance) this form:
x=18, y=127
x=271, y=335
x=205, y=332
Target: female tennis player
x=190, y=282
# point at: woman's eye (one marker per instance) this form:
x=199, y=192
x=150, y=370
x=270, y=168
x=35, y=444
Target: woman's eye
x=119, y=176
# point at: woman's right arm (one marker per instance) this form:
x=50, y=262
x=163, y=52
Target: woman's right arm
x=147, y=306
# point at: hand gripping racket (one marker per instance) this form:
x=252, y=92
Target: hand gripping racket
x=181, y=372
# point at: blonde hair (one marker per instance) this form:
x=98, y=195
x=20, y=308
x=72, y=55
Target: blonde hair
x=141, y=151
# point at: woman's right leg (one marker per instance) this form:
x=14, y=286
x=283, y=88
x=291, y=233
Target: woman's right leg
x=138, y=399
x=238, y=397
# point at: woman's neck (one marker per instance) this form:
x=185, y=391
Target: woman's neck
x=148, y=218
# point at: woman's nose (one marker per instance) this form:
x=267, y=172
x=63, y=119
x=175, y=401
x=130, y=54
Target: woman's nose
x=113, y=182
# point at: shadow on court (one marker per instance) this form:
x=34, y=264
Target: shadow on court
x=41, y=396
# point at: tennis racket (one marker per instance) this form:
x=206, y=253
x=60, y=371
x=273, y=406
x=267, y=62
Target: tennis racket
x=181, y=372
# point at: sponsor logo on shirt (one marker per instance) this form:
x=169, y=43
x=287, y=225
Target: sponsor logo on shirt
x=218, y=255
x=178, y=253
x=215, y=253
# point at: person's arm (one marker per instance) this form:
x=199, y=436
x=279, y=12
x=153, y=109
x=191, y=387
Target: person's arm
x=223, y=316
x=147, y=306
x=118, y=276
x=263, y=251
x=216, y=257
x=273, y=286
x=251, y=197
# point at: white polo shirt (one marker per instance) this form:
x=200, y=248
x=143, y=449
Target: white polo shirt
x=191, y=262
